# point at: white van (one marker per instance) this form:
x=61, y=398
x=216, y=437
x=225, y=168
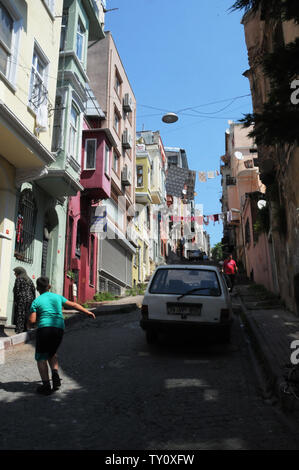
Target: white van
x=190, y=296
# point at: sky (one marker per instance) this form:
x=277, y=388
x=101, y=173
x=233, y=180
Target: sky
x=186, y=57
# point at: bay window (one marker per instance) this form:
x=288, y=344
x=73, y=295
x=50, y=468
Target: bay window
x=90, y=154
x=73, y=132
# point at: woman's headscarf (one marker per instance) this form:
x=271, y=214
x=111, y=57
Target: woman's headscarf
x=21, y=273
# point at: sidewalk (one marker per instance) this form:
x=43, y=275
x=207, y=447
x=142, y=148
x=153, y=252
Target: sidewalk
x=272, y=329
x=123, y=305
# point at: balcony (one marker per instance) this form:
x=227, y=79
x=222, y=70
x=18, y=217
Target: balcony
x=19, y=146
x=60, y=183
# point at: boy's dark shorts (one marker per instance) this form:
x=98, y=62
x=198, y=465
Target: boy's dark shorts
x=48, y=340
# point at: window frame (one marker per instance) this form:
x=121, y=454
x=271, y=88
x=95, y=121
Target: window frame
x=92, y=249
x=73, y=130
x=12, y=51
x=116, y=159
x=38, y=58
x=80, y=34
x=117, y=127
x=107, y=152
x=50, y=5
x=95, y=141
x=26, y=227
x=142, y=174
x=63, y=30
x=118, y=83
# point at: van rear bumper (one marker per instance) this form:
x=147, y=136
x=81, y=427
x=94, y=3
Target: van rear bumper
x=166, y=325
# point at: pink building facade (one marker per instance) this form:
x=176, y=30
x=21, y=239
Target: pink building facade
x=81, y=261
x=242, y=190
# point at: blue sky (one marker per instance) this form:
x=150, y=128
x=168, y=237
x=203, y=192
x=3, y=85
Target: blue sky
x=181, y=56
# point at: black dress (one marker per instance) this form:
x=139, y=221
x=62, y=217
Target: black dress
x=24, y=295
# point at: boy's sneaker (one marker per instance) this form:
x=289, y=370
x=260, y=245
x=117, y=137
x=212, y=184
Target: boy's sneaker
x=44, y=389
x=56, y=380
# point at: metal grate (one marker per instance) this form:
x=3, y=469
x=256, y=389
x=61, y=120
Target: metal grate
x=25, y=231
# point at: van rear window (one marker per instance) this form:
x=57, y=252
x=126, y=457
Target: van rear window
x=180, y=281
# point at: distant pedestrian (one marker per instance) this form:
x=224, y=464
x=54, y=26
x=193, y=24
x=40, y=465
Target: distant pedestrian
x=24, y=294
x=46, y=311
x=230, y=269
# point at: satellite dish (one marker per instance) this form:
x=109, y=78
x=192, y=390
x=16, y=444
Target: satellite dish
x=261, y=203
x=239, y=155
x=169, y=118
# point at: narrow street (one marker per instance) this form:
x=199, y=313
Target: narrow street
x=120, y=393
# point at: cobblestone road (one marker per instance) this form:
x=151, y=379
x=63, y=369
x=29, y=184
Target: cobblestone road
x=118, y=393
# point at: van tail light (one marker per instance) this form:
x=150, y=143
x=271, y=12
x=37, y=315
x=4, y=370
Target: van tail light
x=144, y=312
x=224, y=314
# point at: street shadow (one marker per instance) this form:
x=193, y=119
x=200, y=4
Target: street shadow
x=120, y=393
x=19, y=386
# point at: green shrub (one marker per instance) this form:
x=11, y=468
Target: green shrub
x=101, y=296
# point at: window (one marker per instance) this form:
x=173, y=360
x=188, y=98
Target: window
x=50, y=4
x=116, y=121
x=144, y=253
x=69, y=242
x=73, y=132
x=90, y=154
x=57, y=124
x=80, y=41
x=247, y=231
x=25, y=227
x=38, y=91
x=115, y=162
x=10, y=31
x=115, y=213
x=6, y=32
x=64, y=23
x=148, y=217
x=139, y=176
x=91, y=260
x=180, y=281
x=117, y=84
x=78, y=240
x=107, y=160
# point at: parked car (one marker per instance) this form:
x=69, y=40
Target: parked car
x=190, y=297
x=195, y=255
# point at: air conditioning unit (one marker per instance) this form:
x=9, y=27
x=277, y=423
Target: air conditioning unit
x=127, y=103
x=127, y=139
x=126, y=176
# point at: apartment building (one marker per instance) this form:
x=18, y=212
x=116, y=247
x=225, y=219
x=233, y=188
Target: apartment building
x=180, y=185
x=278, y=164
x=28, y=74
x=242, y=190
x=112, y=89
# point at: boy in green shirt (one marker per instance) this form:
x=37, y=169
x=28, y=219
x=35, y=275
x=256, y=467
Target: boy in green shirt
x=46, y=311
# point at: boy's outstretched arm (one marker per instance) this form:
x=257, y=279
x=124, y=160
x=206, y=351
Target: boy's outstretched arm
x=79, y=307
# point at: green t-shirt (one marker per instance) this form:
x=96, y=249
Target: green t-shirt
x=48, y=307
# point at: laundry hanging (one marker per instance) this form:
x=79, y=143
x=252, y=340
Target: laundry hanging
x=202, y=176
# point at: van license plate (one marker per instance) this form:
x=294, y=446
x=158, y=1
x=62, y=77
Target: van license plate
x=181, y=309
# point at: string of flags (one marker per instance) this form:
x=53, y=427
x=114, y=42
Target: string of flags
x=204, y=175
x=205, y=219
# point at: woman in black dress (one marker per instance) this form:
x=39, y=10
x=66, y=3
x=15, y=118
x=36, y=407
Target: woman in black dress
x=24, y=295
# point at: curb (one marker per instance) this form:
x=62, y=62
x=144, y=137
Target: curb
x=26, y=337
x=273, y=375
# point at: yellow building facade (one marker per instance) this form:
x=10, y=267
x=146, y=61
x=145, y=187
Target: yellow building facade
x=29, y=49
